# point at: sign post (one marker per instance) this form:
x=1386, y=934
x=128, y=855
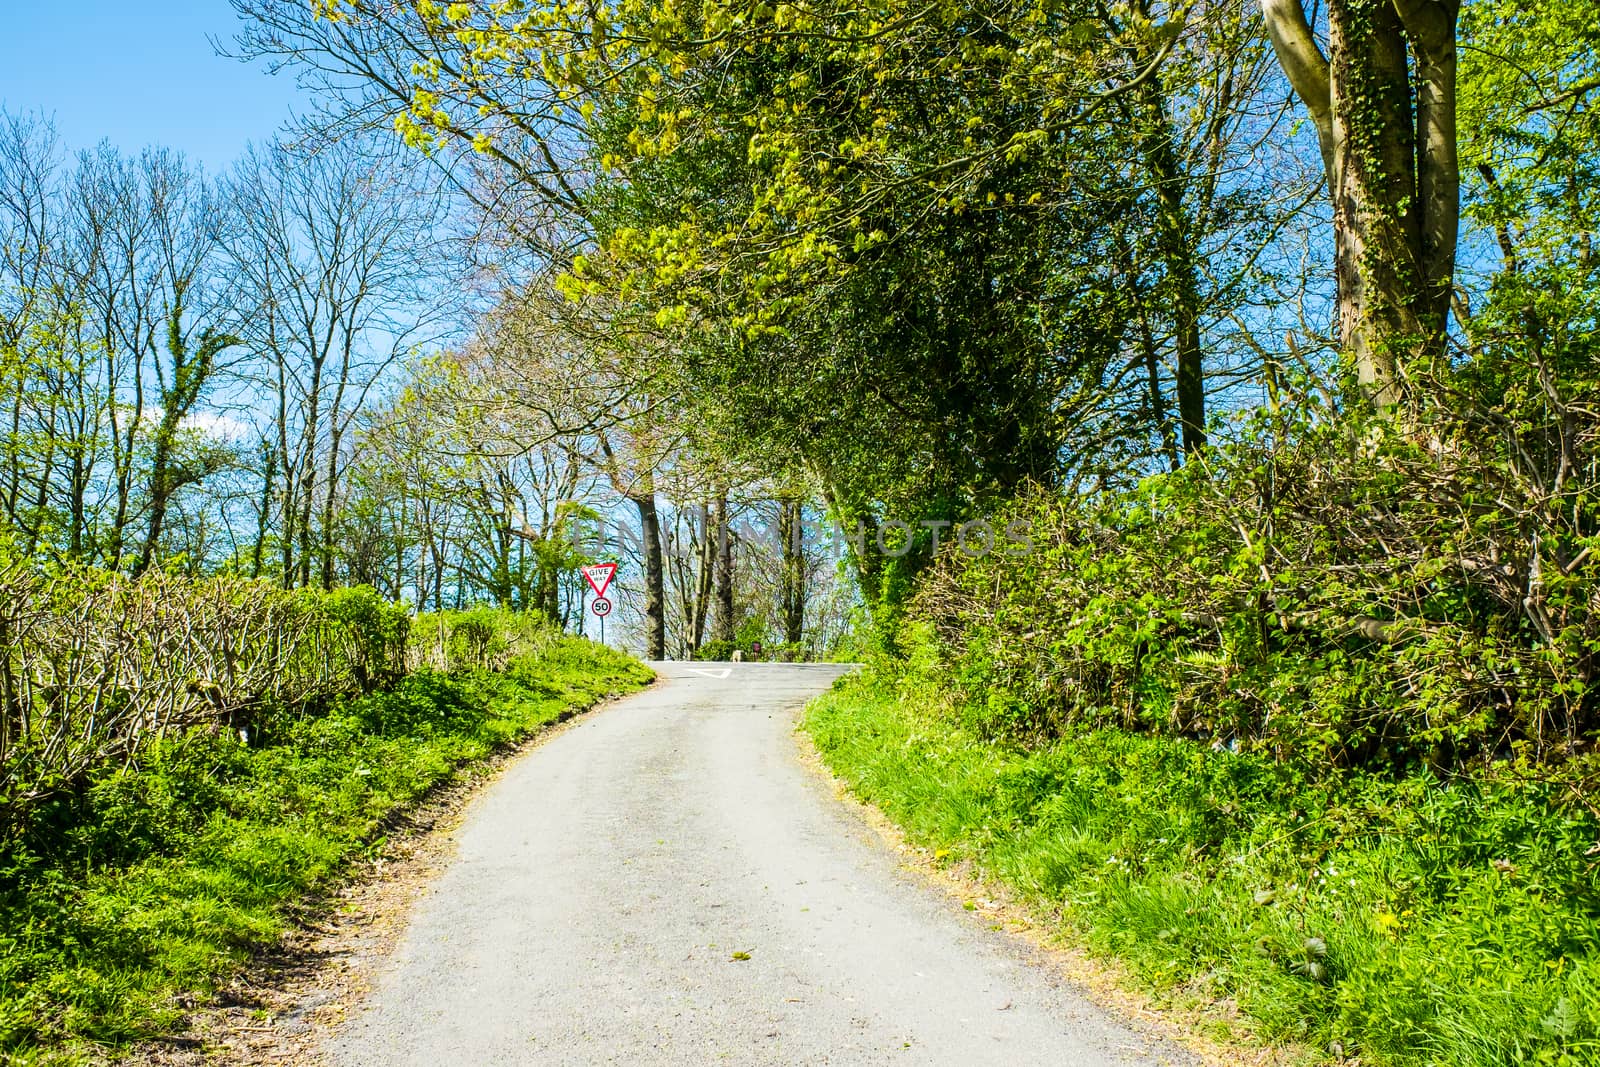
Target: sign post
x=601, y=608
x=599, y=576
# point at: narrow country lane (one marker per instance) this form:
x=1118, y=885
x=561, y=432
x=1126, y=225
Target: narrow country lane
x=604, y=884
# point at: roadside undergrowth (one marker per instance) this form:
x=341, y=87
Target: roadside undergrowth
x=131, y=900
x=1409, y=921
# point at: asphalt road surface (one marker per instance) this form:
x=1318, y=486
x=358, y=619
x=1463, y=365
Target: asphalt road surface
x=605, y=882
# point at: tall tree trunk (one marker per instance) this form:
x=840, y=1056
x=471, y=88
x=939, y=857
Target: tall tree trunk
x=308, y=471
x=290, y=508
x=335, y=440
x=159, y=497
x=1175, y=243
x=303, y=566
x=162, y=486
x=124, y=453
x=724, y=552
x=792, y=531
x=1158, y=400
x=47, y=467
x=269, y=458
x=329, y=509
x=420, y=579
x=436, y=551
x=13, y=487
x=399, y=514
x=703, y=581
x=191, y=371
x=87, y=414
x=1142, y=311
x=79, y=505
x=550, y=594
x=655, y=600
x=1385, y=112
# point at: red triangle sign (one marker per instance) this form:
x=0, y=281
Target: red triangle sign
x=599, y=577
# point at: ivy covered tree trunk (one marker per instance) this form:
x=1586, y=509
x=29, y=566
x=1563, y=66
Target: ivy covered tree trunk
x=703, y=579
x=191, y=372
x=1175, y=239
x=792, y=530
x=655, y=601
x=1384, y=105
x=724, y=550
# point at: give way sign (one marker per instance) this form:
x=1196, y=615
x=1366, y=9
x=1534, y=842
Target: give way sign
x=599, y=577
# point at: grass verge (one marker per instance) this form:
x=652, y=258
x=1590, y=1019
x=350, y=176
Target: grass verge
x=1401, y=922
x=136, y=897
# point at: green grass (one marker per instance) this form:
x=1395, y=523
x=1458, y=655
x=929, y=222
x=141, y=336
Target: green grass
x=1409, y=922
x=149, y=887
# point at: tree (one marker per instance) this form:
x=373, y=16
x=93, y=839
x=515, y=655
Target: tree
x=1384, y=105
x=792, y=588
x=337, y=253
x=191, y=371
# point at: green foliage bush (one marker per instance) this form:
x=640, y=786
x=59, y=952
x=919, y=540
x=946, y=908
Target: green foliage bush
x=485, y=638
x=1405, y=920
x=1339, y=596
x=374, y=632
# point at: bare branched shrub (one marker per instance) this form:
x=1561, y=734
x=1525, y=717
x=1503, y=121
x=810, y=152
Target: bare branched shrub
x=94, y=665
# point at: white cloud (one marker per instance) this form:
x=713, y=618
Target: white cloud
x=216, y=424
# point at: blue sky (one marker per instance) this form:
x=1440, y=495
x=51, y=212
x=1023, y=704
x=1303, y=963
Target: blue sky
x=136, y=73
